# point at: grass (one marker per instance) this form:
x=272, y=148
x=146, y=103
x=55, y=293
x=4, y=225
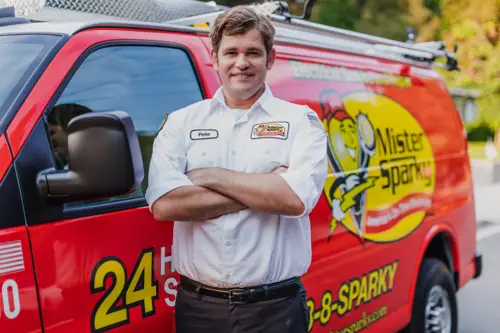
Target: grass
x=476, y=150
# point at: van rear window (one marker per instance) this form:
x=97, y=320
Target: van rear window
x=19, y=57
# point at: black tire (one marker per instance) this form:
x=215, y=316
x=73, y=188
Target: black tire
x=432, y=273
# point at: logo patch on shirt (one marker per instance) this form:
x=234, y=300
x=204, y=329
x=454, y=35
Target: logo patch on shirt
x=204, y=134
x=276, y=130
x=165, y=118
x=314, y=121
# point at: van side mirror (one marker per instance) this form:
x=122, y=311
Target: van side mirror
x=104, y=160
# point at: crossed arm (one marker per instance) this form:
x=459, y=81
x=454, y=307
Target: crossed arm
x=218, y=191
x=206, y=193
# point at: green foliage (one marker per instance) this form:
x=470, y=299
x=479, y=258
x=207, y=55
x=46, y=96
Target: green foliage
x=476, y=30
x=473, y=26
x=339, y=13
x=480, y=132
x=385, y=18
x=433, y=5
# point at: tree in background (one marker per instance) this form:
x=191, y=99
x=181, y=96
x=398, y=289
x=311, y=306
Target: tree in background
x=475, y=27
x=385, y=18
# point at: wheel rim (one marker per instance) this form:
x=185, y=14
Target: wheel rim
x=438, y=311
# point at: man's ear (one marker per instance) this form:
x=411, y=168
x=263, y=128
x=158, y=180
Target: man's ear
x=271, y=57
x=215, y=61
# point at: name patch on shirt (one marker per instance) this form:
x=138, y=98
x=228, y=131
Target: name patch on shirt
x=204, y=134
x=277, y=130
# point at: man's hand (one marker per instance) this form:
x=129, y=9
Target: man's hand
x=195, y=203
x=263, y=192
x=204, y=176
x=280, y=169
x=201, y=177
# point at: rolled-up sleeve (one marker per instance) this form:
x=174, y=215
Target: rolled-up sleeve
x=308, y=164
x=168, y=160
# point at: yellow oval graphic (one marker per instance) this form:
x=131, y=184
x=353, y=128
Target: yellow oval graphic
x=382, y=171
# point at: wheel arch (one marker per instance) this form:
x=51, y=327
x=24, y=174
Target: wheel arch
x=440, y=243
x=443, y=247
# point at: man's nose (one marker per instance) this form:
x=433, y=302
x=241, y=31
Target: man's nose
x=242, y=61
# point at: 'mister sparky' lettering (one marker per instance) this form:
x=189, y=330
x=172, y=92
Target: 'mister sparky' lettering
x=402, y=166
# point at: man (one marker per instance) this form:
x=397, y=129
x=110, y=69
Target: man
x=58, y=120
x=239, y=174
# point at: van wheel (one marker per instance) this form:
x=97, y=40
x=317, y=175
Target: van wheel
x=435, y=304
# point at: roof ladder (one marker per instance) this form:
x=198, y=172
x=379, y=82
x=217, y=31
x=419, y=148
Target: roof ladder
x=278, y=12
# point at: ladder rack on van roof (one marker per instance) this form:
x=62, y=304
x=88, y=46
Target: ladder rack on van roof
x=298, y=30
x=289, y=29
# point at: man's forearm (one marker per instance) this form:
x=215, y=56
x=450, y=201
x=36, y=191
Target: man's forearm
x=193, y=203
x=263, y=192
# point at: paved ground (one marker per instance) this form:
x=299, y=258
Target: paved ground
x=487, y=192
x=479, y=309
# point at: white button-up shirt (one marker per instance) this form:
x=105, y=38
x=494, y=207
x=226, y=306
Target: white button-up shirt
x=245, y=248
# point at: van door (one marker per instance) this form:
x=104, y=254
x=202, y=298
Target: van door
x=104, y=265
x=20, y=56
x=18, y=297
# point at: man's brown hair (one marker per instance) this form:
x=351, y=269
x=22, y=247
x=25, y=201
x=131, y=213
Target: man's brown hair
x=239, y=20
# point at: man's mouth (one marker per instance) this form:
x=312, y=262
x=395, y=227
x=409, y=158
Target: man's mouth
x=242, y=76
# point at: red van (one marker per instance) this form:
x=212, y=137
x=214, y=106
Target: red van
x=81, y=103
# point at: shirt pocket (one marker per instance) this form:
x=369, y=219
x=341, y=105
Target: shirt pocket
x=264, y=155
x=203, y=154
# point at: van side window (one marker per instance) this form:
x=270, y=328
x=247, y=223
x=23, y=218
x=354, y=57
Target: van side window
x=147, y=82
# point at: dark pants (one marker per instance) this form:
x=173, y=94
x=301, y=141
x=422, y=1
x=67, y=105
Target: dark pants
x=195, y=313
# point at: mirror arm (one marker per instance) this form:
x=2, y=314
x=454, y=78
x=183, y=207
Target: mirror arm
x=57, y=177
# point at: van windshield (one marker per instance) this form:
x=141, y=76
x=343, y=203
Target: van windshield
x=19, y=57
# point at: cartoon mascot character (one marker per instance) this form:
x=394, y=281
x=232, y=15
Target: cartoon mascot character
x=351, y=144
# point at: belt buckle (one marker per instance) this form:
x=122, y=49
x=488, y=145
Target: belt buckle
x=231, y=295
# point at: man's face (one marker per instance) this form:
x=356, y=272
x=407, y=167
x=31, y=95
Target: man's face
x=242, y=64
x=59, y=139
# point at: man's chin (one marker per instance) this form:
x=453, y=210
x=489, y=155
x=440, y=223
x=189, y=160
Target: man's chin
x=245, y=90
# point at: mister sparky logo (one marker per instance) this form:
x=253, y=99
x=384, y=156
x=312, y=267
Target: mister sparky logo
x=382, y=172
x=270, y=130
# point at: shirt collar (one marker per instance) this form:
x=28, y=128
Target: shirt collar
x=265, y=101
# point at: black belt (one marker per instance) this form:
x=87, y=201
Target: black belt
x=284, y=288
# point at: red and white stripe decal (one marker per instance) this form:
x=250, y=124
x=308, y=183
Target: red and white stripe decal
x=11, y=257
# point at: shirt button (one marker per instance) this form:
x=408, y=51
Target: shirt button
x=234, y=153
x=228, y=243
x=203, y=153
x=228, y=276
x=267, y=151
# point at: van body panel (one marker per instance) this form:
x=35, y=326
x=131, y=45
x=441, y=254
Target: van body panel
x=82, y=257
x=399, y=175
x=19, y=302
